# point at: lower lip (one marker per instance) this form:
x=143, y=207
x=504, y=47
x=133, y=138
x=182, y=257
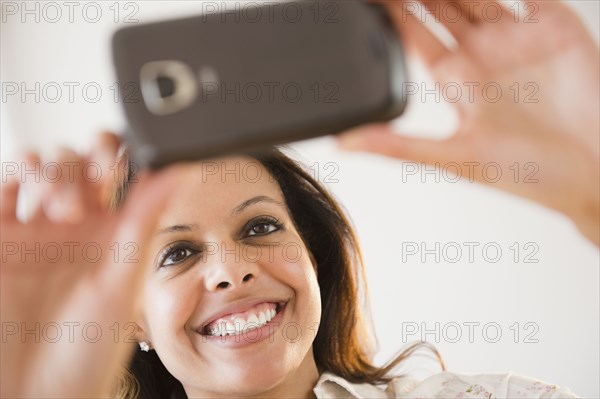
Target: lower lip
x=249, y=337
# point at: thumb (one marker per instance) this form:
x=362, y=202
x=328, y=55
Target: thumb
x=137, y=222
x=381, y=139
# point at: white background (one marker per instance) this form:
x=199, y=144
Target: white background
x=559, y=294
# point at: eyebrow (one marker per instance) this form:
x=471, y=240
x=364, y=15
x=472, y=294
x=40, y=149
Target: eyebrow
x=236, y=211
x=252, y=201
x=178, y=228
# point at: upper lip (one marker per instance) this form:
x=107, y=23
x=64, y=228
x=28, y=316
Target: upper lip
x=238, y=307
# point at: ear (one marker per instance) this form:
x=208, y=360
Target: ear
x=139, y=321
x=142, y=338
x=140, y=333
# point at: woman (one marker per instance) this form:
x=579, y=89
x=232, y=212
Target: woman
x=263, y=272
x=174, y=294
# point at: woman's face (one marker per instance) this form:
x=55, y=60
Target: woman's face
x=227, y=256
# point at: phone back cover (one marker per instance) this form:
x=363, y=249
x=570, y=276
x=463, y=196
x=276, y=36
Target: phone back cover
x=281, y=77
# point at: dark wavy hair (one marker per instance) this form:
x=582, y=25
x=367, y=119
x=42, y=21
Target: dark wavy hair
x=343, y=342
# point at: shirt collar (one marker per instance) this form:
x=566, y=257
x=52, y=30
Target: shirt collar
x=334, y=386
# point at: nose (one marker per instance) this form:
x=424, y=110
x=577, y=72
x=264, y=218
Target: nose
x=229, y=271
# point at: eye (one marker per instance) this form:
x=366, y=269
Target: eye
x=176, y=254
x=263, y=226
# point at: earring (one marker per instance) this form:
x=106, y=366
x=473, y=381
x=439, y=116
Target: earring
x=144, y=346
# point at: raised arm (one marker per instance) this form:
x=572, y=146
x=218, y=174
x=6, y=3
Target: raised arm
x=545, y=65
x=70, y=275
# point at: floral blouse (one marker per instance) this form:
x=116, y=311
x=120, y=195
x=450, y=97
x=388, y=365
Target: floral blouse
x=445, y=385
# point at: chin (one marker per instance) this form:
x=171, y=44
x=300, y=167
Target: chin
x=250, y=379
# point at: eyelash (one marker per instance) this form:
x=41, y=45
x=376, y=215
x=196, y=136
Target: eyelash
x=265, y=219
x=193, y=249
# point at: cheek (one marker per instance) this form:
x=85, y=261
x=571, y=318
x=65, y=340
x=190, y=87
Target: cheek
x=290, y=263
x=168, y=307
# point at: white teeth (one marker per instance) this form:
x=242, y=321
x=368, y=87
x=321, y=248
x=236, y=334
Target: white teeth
x=252, y=320
x=229, y=328
x=262, y=319
x=239, y=325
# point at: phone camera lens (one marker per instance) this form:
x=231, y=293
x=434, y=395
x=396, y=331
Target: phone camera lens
x=166, y=86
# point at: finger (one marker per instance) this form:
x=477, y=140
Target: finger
x=65, y=201
x=111, y=290
x=382, y=140
x=463, y=18
x=33, y=186
x=417, y=38
x=103, y=160
x=552, y=12
x=9, y=194
x=489, y=11
x=459, y=21
x=472, y=12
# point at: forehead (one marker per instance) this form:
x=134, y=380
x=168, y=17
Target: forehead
x=215, y=187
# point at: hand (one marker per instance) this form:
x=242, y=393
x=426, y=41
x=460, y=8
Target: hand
x=59, y=300
x=556, y=135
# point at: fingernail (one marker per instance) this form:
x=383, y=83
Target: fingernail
x=65, y=206
x=54, y=210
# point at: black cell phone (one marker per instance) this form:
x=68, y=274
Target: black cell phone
x=235, y=80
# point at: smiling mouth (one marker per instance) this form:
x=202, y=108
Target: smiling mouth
x=239, y=323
